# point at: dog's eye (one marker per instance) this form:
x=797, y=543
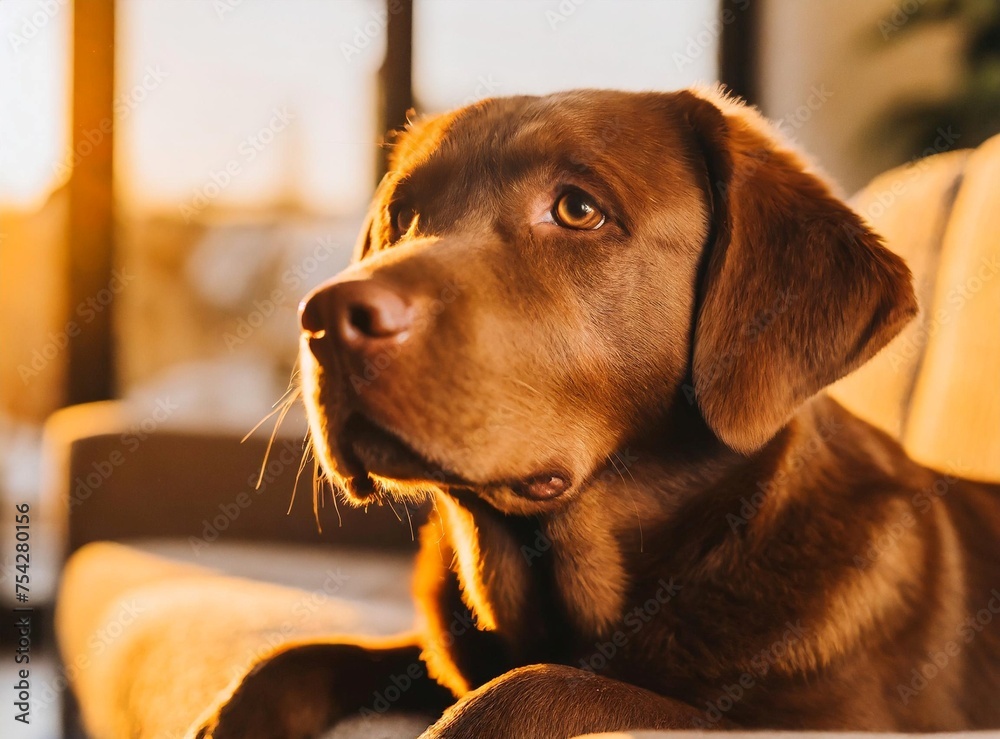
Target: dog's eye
x=405, y=217
x=575, y=209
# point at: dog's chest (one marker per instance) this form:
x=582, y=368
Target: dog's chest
x=550, y=595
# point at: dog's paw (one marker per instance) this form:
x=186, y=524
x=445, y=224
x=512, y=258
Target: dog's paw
x=513, y=705
x=282, y=699
x=548, y=701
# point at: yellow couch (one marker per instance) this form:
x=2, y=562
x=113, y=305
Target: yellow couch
x=936, y=387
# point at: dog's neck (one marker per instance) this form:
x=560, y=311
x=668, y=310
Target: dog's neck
x=592, y=560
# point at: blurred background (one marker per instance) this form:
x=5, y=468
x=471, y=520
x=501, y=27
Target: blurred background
x=176, y=174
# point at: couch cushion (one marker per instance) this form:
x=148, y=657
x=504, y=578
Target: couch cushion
x=936, y=387
x=153, y=643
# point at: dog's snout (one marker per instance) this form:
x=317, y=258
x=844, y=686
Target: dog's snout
x=357, y=314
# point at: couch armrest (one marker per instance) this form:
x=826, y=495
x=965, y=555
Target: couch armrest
x=117, y=475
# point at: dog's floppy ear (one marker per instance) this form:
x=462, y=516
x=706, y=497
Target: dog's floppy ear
x=796, y=291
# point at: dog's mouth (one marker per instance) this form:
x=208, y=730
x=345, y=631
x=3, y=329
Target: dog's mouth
x=368, y=449
x=368, y=454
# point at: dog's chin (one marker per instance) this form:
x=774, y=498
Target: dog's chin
x=368, y=459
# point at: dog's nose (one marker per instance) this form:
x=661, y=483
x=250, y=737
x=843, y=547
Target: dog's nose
x=359, y=313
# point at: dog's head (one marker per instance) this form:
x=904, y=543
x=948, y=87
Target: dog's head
x=543, y=278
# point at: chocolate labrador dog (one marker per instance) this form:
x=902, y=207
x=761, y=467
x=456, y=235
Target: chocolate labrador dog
x=594, y=328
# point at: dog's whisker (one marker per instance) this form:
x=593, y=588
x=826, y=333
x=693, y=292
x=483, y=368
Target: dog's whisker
x=626, y=468
x=409, y=520
x=336, y=507
x=261, y=422
x=274, y=433
x=307, y=448
x=281, y=407
x=317, y=482
x=388, y=501
x=631, y=495
x=292, y=387
x=293, y=379
x=280, y=403
x=440, y=518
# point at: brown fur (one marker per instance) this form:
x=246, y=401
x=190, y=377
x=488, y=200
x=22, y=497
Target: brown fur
x=733, y=548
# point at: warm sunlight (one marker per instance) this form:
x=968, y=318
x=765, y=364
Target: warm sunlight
x=34, y=96
x=471, y=369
